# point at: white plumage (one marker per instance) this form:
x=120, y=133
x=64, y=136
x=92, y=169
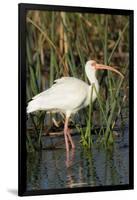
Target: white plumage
x=68, y=95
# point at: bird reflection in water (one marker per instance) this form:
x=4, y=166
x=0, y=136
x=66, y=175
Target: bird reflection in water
x=70, y=155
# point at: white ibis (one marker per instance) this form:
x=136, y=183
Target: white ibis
x=68, y=95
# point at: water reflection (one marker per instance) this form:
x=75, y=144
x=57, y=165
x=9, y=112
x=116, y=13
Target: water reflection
x=51, y=169
x=70, y=156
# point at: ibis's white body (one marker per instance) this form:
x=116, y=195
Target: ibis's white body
x=67, y=95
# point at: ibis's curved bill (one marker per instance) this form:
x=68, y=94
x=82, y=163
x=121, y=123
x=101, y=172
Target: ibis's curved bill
x=100, y=66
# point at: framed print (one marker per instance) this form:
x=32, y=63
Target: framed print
x=75, y=99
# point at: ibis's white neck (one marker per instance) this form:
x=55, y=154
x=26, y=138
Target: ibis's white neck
x=91, y=74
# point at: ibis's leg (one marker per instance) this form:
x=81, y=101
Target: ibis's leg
x=66, y=134
x=70, y=139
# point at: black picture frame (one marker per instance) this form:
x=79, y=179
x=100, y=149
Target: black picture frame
x=23, y=8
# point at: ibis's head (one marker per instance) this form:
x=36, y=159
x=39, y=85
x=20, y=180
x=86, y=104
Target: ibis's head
x=94, y=66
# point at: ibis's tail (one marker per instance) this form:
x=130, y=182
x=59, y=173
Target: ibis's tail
x=33, y=106
x=44, y=101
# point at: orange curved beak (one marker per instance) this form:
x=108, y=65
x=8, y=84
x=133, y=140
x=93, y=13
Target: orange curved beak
x=100, y=66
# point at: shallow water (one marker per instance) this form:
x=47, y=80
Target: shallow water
x=50, y=169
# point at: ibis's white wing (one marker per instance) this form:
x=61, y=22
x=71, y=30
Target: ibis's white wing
x=67, y=93
x=57, y=81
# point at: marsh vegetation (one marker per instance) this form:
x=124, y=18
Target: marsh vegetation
x=59, y=44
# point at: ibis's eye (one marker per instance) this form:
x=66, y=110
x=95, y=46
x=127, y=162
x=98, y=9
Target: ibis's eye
x=93, y=64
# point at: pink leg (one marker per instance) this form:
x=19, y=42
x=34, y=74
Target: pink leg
x=70, y=139
x=65, y=134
